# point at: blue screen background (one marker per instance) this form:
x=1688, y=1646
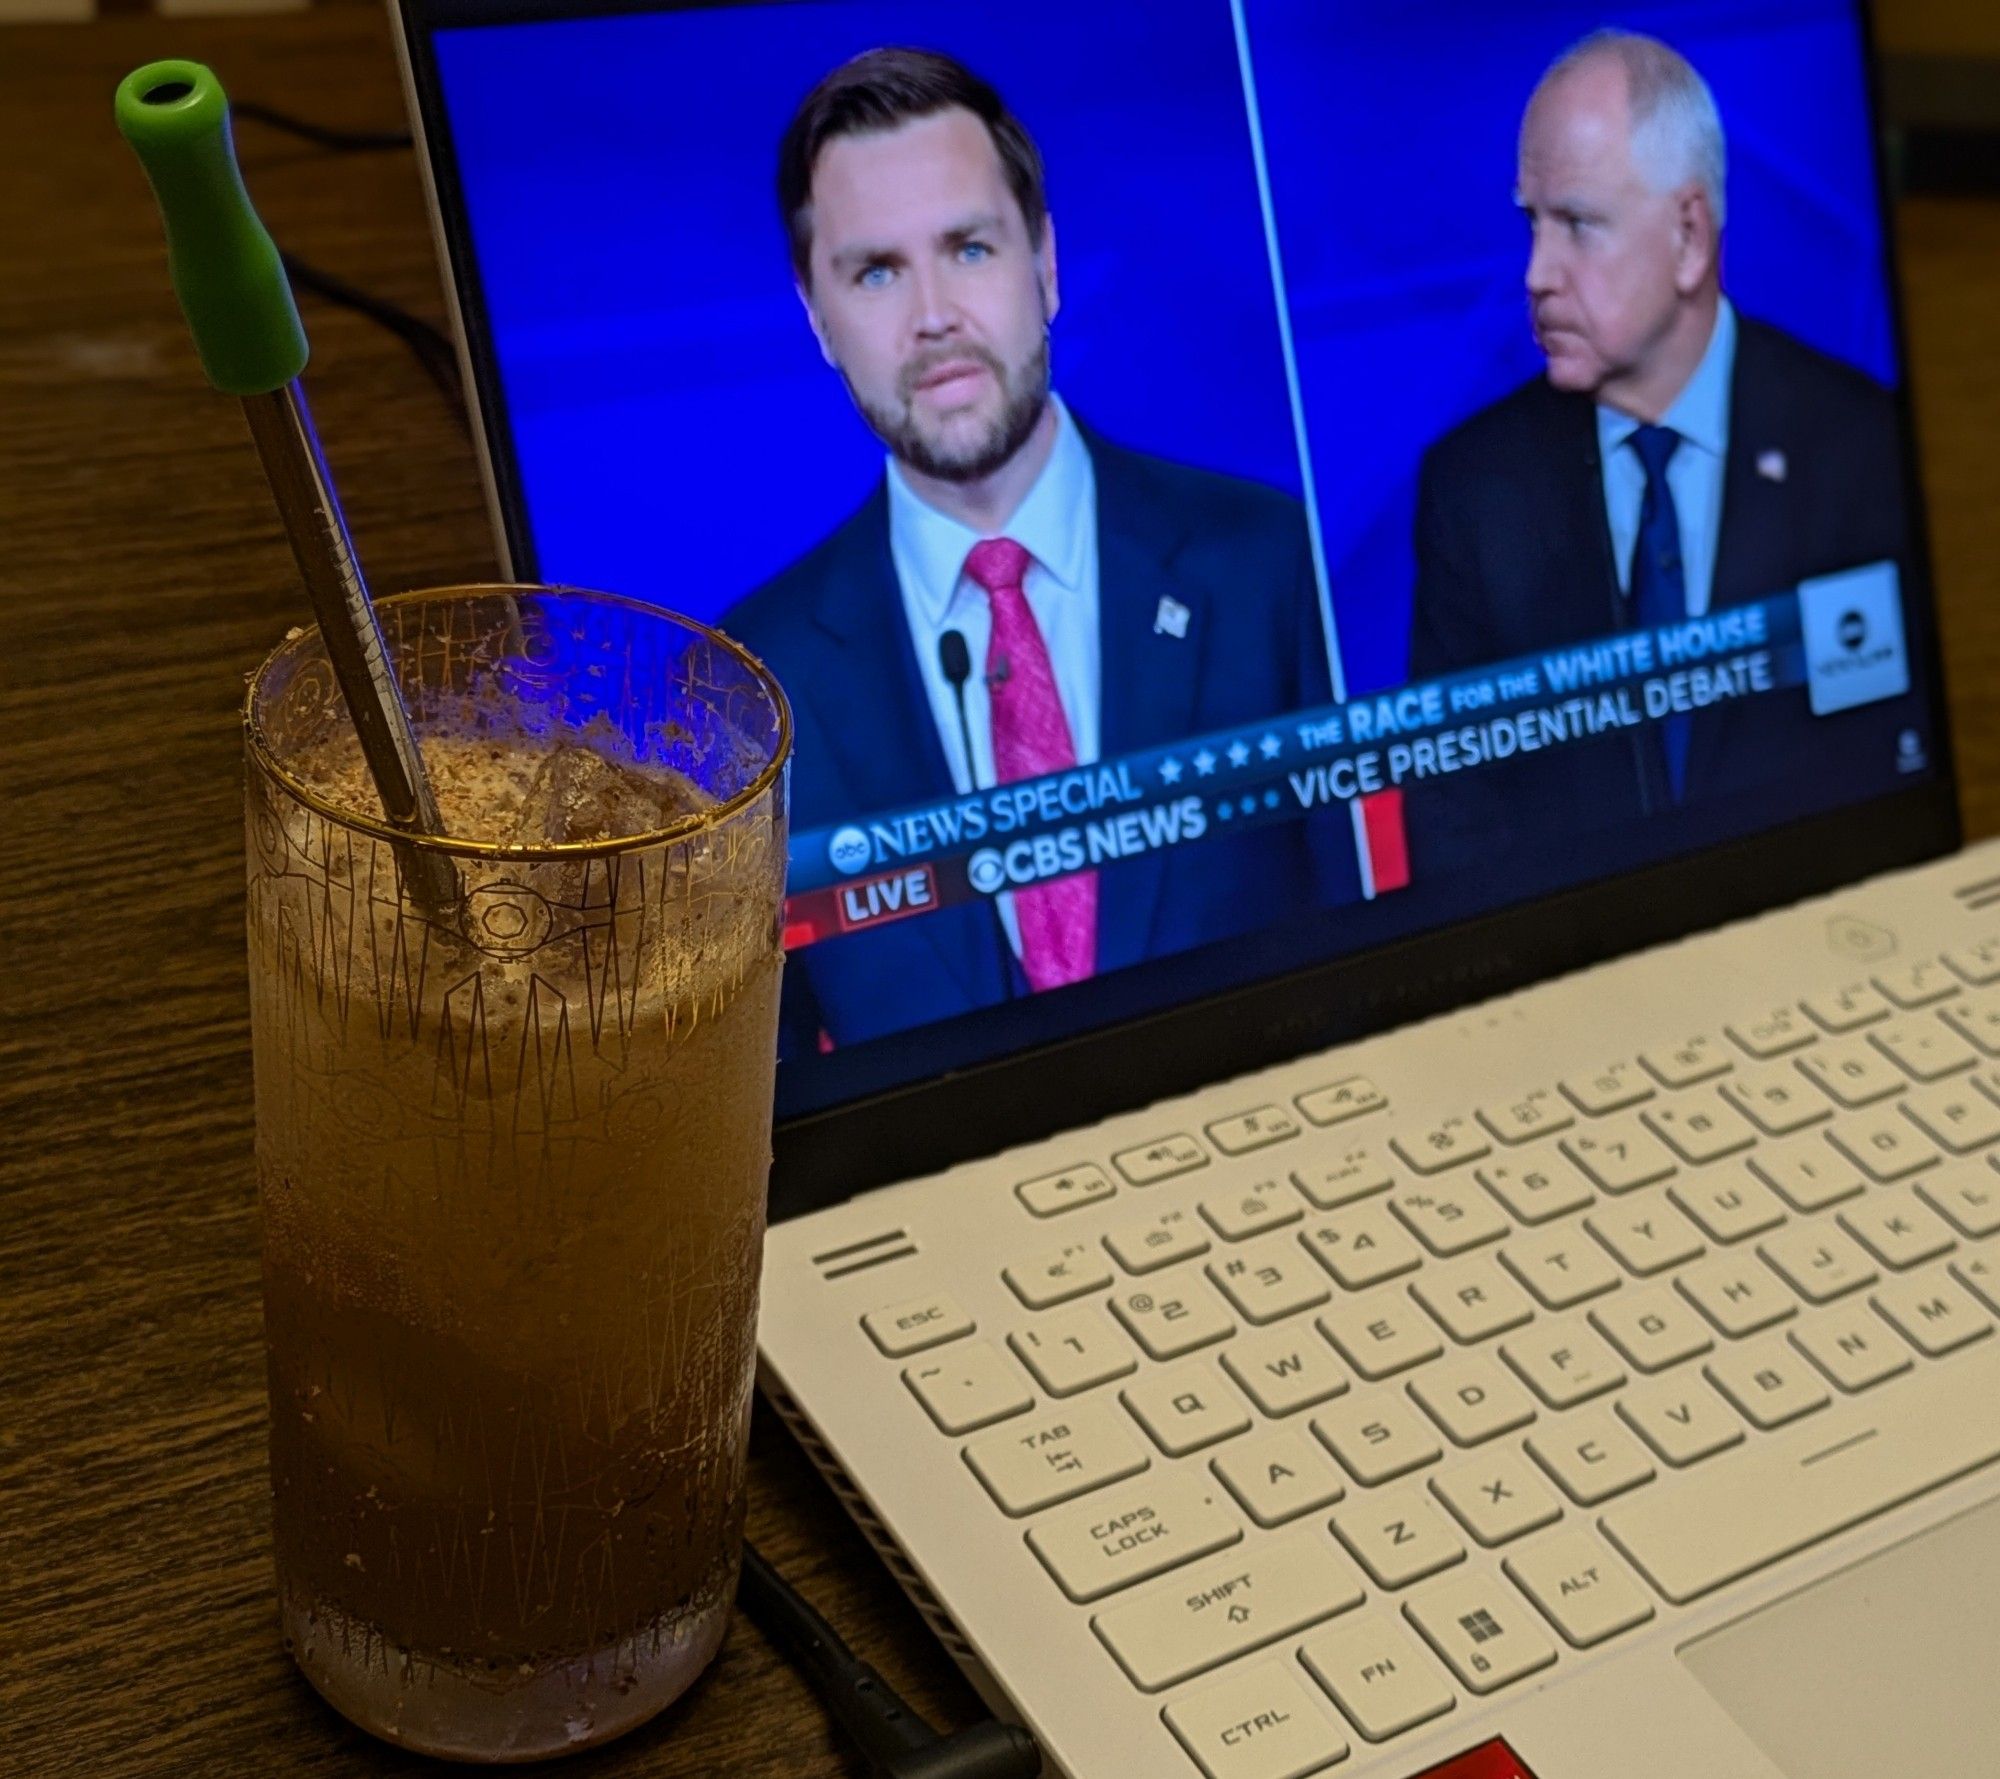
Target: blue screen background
x=679, y=436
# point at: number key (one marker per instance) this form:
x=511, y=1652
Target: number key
x=1620, y=1155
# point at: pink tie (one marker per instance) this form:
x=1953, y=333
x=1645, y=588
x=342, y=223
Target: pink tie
x=1058, y=921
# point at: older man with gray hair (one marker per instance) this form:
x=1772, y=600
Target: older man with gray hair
x=1675, y=458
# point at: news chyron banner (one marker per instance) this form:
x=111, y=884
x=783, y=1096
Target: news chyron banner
x=1841, y=637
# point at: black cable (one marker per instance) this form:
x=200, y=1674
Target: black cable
x=321, y=135
x=433, y=349
x=896, y=1743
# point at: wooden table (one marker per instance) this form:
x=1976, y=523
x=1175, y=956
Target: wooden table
x=142, y=575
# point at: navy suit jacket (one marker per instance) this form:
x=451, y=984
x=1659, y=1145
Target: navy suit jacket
x=1514, y=555
x=1235, y=554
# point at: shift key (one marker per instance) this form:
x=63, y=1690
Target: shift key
x=1226, y=1607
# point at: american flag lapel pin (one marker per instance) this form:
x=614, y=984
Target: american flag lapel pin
x=1771, y=465
x=1171, y=619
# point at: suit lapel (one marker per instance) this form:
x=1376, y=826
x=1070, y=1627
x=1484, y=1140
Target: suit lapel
x=874, y=715
x=1151, y=676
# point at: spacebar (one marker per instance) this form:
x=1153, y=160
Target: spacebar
x=1834, y=1473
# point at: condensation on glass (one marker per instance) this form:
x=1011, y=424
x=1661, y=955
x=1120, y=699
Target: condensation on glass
x=512, y=1154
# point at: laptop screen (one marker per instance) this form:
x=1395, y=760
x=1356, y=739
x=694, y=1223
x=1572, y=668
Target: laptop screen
x=1223, y=485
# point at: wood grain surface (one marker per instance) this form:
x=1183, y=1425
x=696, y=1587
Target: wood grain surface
x=142, y=576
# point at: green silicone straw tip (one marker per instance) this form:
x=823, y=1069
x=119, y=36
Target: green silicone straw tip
x=225, y=267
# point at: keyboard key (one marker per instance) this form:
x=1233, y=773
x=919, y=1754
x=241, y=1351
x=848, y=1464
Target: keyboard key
x=1285, y=1369
x=1783, y=1496
x=1447, y=1145
x=1398, y=1537
x=1980, y=1274
x=968, y=1388
x=1381, y=1335
x=1609, y=1090
x=1174, y=1317
x=1591, y=1456
x=1652, y=1327
x=916, y=1325
x=1536, y=1188
x=1053, y=1194
x=1471, y=1299
x=1362, y=1247
x=1683, y=1064
x=1768, y=1380
x=1536, y=1114
x=1482, y=1630
x=1497, y=1496
x=1377, y=1676
x=1341, y=1179
x=1186, y=1408
x=1377, y=1439
x=1976, y=1019
x=1776, y=1098
x=1852, y=1072
x=1257, y=1129
x=1852, y=1348
x=1472, y=1400
x=1561, y=1266
x=1918, y=984
x=1846, y=1009
x=1077, y=1350
x=1772, y=1034
x=1130, y=1534
x=1065, y=1453
x=1269, y=1282
x=1260, y=1723
x=1968, y=1197
x=1933, y=1314
x=1818, y=1263
x=1050, y=1279
x=1737, y=1294
x=1564, y=1362
x=1236, y=1216
x=1227, y=1607
x=1807, y=1174
x=1898, y=1228
x=1728, y=1204
x=1924, y=1048
x=1149, y=1243
x=1884, y=1146
x=1354, y=1097
x=1954, y=1115
x=1620, y=1155
x=1579, y=1587
x=1680, y=1418
x=1163, y=1160
x=1279, y=1476
x=1449, y=1216
x=1646, y=1235
x=1700, y=1127
x=1977, y=963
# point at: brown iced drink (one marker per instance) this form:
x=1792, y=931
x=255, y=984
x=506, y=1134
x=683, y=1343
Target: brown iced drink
x=512, y=1166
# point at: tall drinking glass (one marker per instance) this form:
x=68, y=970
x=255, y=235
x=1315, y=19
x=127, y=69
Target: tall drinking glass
x=513, y=1142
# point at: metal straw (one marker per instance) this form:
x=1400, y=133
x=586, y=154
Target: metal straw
x=246, y=327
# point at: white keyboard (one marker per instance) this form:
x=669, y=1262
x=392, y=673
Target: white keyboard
x=1270, y=1390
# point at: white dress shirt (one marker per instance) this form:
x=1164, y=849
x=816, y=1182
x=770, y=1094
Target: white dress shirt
x=1056, y=523
x=1700, y=414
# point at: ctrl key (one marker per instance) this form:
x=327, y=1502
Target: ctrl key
x=1260, y=1724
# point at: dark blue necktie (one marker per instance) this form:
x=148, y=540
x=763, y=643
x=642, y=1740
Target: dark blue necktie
x=1659, y=593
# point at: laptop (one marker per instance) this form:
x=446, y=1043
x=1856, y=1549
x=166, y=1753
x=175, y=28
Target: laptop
x=1391, y=1068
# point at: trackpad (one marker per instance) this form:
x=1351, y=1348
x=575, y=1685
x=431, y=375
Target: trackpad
x=1890, y=1668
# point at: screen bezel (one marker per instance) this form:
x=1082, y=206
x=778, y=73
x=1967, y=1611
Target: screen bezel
x=923, y=1127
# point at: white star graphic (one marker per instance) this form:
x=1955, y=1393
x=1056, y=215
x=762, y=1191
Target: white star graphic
x=1170, y=771
x=1204, y=763
x=1238, y=753
x=1270, y=747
